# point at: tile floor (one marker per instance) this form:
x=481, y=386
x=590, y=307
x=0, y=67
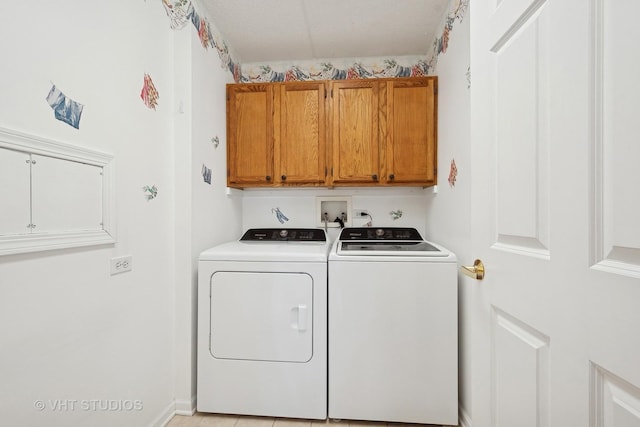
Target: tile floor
x=216, y=420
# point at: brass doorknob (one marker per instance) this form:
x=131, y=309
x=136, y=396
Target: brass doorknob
x=475, y=271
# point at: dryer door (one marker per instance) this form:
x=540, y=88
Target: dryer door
x=262, y=316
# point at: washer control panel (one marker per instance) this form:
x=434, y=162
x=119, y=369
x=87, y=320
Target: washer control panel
x=384, y=233
x=284, y=235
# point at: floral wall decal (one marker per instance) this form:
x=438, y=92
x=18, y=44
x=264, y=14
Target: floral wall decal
x=279, y=215
x=206, y=174
x=453, y=173
x=65, y=109
x=215, y=141
x=178, y=12
x=151, y=192
x=149, y=93
x=395, y=215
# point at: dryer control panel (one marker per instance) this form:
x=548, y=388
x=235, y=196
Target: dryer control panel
x=284, y=234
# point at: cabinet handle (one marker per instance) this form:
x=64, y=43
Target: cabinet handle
x=392, y=177
x=268, y=177
x=284, y=177
x=374, y=177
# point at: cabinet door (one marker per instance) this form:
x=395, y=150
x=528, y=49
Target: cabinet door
x=411, y=138
x=15, y=192
x=355, y=149
x=66, y=195
x=250, y=110
x=300, y=149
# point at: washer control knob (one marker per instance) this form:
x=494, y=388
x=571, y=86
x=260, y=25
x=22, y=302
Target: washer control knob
x=379, y=232
x=284, y=233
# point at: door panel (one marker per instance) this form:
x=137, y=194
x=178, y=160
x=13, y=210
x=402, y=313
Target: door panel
x=66, y=195
x=521, y=138
x=616, y=234
x=15, y=188
x=615, y=402
x=520, y=357
x=261, y=316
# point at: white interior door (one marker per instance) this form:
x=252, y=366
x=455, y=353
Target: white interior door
x=554, y=98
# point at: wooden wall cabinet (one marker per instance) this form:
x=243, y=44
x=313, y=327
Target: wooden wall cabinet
x=354, y=131
x=300, y=134
x=375, y=132
x=409, y=127
x=250, y=126
x=276, y=134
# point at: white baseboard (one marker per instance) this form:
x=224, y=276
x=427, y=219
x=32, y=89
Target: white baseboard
x=177, y=407
x=464, y=419
x=165, y=416
x=186, y=407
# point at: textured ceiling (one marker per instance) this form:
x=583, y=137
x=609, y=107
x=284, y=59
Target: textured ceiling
x=288, y=30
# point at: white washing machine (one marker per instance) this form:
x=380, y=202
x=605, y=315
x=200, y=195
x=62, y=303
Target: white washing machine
x=262, y=325
x=393, y=336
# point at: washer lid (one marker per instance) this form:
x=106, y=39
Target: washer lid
x=386, y=241
x=389, y=248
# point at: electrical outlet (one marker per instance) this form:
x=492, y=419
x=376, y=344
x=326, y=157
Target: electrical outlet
x=121, y=264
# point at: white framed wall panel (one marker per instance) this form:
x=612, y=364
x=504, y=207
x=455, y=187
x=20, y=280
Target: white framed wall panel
x=615, y=234
x=522, y=152
x=69, y=191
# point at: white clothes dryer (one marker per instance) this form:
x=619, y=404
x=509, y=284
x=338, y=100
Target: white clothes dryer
x=262, y=325
x=393, y=335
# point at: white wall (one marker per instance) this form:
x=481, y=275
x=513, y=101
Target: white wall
x=299, y=205
x=449, y=220
x=205, y=215
x=70, y=333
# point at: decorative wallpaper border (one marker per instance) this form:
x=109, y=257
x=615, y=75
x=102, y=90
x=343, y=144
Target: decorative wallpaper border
x=363, y=68
x=181, y=12
x=457, y=11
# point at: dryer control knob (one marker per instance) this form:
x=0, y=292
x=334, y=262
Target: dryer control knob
x=379, y=232
x=284, y=233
